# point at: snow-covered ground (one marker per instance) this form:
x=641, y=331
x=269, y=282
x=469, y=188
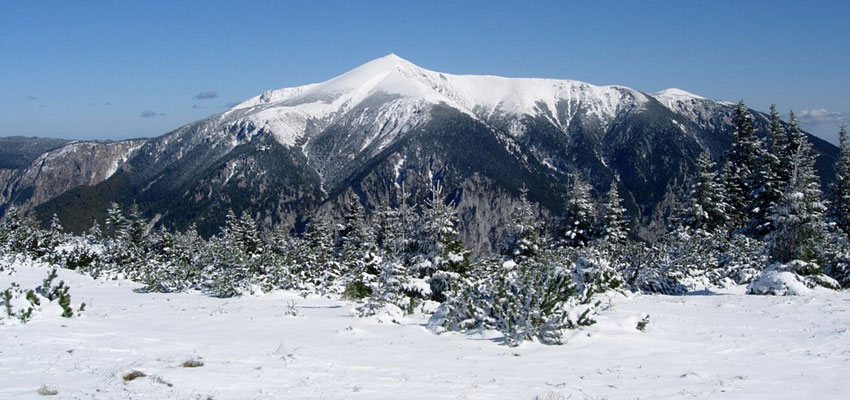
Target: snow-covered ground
x=714, y=346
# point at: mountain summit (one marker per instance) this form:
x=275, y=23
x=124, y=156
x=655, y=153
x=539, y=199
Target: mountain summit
x=286, y=154
x=479, y=96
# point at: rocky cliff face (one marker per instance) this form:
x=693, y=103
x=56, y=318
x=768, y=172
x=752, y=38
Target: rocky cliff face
x=57, y=171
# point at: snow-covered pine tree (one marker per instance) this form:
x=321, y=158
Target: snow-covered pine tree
x=389, y=288
x=316, y=267
x=94, y=235
x=771, y=177
x=409, y=224
x=116, y=223
x=706, y=206
x=189, y=256
x=52, y=238
x=353, y=224
x=840, y=207
x=234, y=257
x=613, y=227
x=780, y=146
x=276, y=264
x=526, y=294
x=15, y=232
x=523, y=237
x=131, y=244
x=741, y=171
x=20, y=235
x=389, y=235
x=578, y=221
x=359, y=253
x=7, y=228
x=442, y=256
x=137, y=228
x=243, y=232
x=799, y=217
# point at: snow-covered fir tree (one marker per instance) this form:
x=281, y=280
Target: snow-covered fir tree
x=441, y=256
x=840, y=206
x=741, y=171
x=243, y=232
x=799, y=217
x=613, y=230
x=706, y=206
x=771, y=178
x=359, y=254
x=116, y=223
x=578, y=221
x=526, y=294
x=316, y=267
x=523, y=238
x=780, y=146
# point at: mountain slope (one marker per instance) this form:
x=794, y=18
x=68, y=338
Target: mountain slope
x=43, y=169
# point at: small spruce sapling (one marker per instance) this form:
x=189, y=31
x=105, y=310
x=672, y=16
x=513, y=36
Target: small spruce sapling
x=642, y=324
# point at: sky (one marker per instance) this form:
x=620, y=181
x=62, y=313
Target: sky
x=121, y=69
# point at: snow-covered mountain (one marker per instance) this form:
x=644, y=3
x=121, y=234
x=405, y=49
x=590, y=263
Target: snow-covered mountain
x=286, y=153
x=484, y=98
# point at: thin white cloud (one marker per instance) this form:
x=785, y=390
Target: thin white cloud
x=821, y=117
x=822, y=123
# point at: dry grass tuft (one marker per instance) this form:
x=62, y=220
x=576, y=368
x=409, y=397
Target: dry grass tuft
x=133, y=375
x=192, y=364
x=46, y=391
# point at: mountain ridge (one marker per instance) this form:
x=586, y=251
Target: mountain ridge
x=288, y=153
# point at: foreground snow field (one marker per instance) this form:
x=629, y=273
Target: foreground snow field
x=717, y=346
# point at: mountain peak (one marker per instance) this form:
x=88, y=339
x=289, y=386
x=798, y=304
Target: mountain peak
x=678, y=93
x=479, y=96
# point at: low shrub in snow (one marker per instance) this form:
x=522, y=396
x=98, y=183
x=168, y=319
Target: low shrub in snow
x=793, y=278
x=22, y=305
x=530, y=298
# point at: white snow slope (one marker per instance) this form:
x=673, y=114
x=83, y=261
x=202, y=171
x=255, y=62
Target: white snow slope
x=728, y=346
x=285, y=112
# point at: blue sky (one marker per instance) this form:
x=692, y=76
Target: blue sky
x=120, y=69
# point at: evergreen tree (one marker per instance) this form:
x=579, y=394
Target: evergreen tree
x=94, y=234
x=612, y=216
x=523, y=236
x=388, y=232
x=841, y=188
x=798, y=220
x=243, y=232
x=409, y=224
x=316, y=267
x=578, y=221
x=136, y=228
x=442, y=256
x=707, y=207
x=771, y=177
x=116, y=223
x=359, y=255
x=53, y=238
x=780, y=147
x=19, y=233
x=795, y=136
x=741, y=172
x=230, y=265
